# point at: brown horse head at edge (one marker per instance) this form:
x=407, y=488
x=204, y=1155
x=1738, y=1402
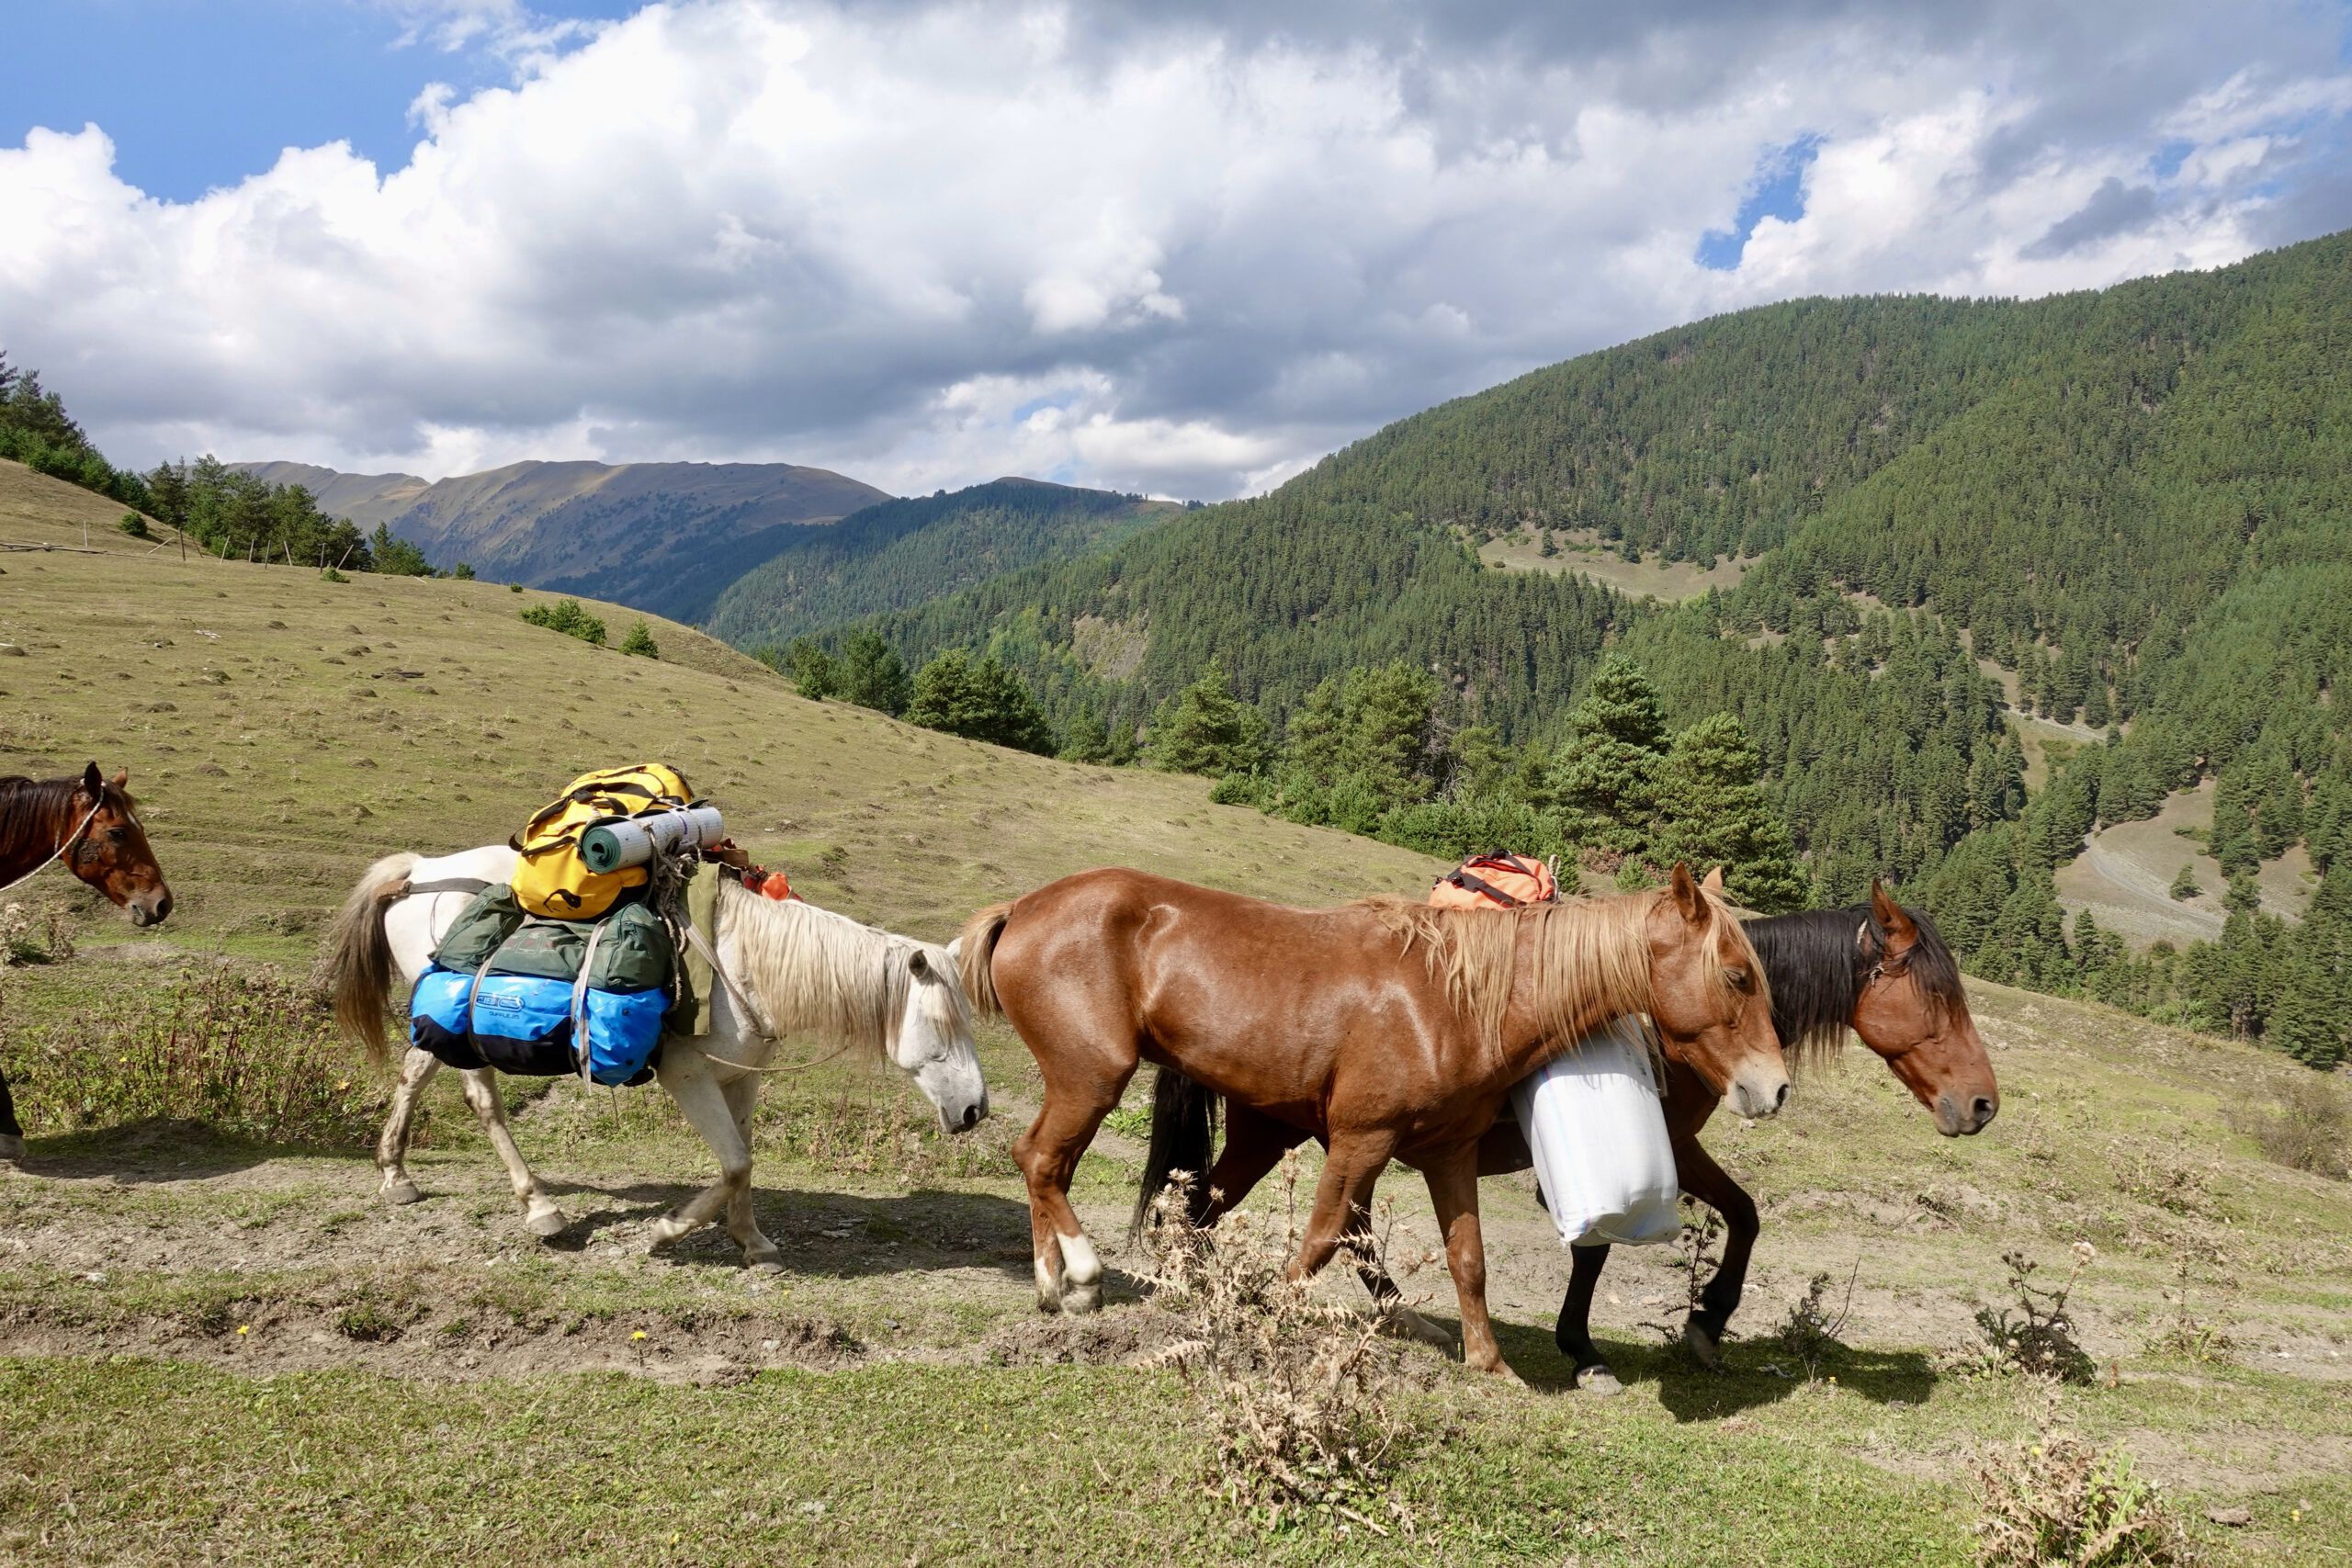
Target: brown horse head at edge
x=1898, y=988
x=91, y=824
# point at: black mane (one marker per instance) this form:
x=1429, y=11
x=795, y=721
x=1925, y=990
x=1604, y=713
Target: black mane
x=1817, y=964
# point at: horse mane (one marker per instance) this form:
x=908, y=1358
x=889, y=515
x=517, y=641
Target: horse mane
x=1819, y=965
x=814, y=972
x=30, y=806
x=1585, y=949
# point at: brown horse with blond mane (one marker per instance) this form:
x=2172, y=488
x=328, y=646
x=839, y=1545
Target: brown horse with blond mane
x=1877, y=968
x=1329, y=1020
x=91, y=824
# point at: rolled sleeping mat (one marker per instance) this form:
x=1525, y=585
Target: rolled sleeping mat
x=634, y=840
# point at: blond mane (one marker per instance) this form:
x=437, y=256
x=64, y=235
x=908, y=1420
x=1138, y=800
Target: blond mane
x=811, y=971
x=1585, y=950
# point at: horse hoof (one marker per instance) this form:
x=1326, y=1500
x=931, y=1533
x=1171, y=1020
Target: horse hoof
x=665, y=1232
x=1599, y=1381
x=773, y=1264
x=545, y=1222
x=401, y=1192
x=12, y=1148
x=1703, y=1344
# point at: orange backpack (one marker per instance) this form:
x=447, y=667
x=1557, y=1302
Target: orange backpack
x=1494, y=882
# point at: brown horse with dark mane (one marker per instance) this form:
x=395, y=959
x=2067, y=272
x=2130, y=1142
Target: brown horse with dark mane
x=1877, y=968
x=92, y=824
x=1331, y=1022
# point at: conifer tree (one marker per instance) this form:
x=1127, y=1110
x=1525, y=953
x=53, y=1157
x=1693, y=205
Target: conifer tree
x=1712, y=812
x=874, y=676
x=2184, y=886
x=1206, y=729
x=981, y=702
x=1607, y=775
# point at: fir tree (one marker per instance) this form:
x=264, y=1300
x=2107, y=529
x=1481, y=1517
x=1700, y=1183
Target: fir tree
x=2184, y=886
x=814, y=674
x=874, y=676
x=1206, y=729
x=1607, y=776
x=979, y=702
x=639, y=642
x=1712, y=812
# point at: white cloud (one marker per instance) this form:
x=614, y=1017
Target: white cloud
x=932, y=244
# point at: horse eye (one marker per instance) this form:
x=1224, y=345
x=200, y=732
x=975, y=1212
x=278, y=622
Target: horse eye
x=1738, y=977
x=118, y=835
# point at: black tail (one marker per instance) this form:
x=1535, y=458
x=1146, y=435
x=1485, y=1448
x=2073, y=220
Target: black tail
x=1183, y=1137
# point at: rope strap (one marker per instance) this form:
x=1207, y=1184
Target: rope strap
x=701, y=944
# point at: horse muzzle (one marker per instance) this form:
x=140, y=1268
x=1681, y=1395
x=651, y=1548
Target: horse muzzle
x=1959, y=1116
x=149, y=908
x=973, y=1113
x=1756, y=1094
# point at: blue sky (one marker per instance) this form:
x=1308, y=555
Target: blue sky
x=203, y=92
x=1181, y=246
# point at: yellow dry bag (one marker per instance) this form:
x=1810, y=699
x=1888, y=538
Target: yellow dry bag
x=552, y=879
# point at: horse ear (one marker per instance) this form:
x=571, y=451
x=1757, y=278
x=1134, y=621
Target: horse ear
x=1714, y=881
x=121, y=779
x=956, y=955
x=1900, y=932
x=93, y=783
x=919, y=962
x=1686, y=895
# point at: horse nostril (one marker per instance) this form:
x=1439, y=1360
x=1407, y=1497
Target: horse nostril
x=1780, y=1100
x=1986, y=1109
x=971, y=1116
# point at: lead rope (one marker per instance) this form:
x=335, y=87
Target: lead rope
x=71, y=839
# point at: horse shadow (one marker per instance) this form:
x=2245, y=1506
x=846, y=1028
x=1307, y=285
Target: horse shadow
x=842, y=1235
x=158, y=1150
x=1754, y=1372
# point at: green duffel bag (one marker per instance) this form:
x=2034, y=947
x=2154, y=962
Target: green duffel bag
x=547, y=950
x=634, y=952
x=480, y=928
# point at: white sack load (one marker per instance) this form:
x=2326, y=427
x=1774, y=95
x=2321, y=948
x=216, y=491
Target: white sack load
x=1591, y=1119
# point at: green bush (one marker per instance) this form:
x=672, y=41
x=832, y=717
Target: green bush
x=244, y=1052
x=640, y=642
x=566, y=615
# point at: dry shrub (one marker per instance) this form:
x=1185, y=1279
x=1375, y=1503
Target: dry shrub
x=2038, y=1337
x=39, y=933
x=2188, y=1334
x=244, y=1052
x=2161, y=1179
x=1301, y=1394
x=2059, y=1498
x=2310, y=1129
x=1812, y=1330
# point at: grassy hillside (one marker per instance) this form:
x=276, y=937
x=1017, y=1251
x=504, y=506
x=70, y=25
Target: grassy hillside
x=664, y=537
x=899, y=553
x=284, y=730
x=214, y=1346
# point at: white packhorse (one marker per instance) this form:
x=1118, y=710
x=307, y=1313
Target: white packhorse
x=802, y=970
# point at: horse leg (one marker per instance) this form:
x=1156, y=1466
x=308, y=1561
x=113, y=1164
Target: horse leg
x=540, y=1216
x=1069, y=1274
x=12, y=1135
x=1254, y=1144
x=692, y=1084
x=1706, y=1180
x=742, y=1099
x=1352, y=1166
x=391, y=1145
x=1574, y=1334
x=1453, y=1188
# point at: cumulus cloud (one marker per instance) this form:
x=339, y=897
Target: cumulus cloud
x=1184, y=248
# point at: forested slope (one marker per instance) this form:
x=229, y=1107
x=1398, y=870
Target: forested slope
x=896, y=553
x=2138, y=500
